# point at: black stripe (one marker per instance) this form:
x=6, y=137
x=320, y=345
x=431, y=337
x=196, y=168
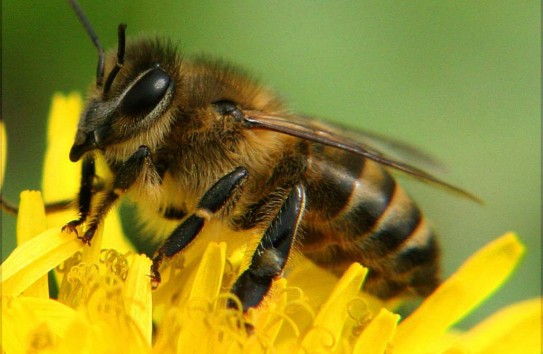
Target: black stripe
x=336, y=173
x=330, y=194
x=362, y=217
x=413, y=257
x=389, y=236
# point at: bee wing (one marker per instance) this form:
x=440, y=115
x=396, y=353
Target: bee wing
x=315, y=131
x=393, y=148
x=396, y=149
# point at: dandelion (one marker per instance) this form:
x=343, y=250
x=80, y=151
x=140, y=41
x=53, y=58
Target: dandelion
x=105, y=302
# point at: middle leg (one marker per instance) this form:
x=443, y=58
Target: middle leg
x=214, y=200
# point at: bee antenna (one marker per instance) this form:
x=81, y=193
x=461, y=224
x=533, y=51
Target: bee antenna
x=85, y=22
x=121, y=33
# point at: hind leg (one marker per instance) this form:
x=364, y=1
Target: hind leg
x=271, y=254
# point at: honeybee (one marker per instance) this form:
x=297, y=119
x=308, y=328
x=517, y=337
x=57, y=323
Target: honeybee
x=195, y=140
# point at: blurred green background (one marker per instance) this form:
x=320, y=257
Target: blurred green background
x=461, y=79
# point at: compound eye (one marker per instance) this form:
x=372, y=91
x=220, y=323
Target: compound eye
x=147, y=93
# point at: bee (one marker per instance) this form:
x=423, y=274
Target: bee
x=195, y=140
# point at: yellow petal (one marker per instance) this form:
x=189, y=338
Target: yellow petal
x=329, y=322
x=457, y=349
x=31, y=321
x=474, y=281
x=208, y=279
x=377, y=335
x=91, y=254
x=202, y=298
x=137, y=294
x=78, y=338
x=61, y=176
x=113, y=233
x=3, y=152
x=89, y=335
x=34, y=258
x=316, y=291
x=514, y=329
x=31, y=221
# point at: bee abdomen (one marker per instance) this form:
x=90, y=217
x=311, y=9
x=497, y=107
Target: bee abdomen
x=380, y=227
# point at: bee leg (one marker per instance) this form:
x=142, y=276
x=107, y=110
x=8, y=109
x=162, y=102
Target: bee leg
x=88, y=173
x=271, y=254
x=215, y=199
x=125, y=178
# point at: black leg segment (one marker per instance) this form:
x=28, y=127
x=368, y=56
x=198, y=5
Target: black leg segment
x=271, y=254
x=216, y=197
x=84, y=198
x=184, y=234
x=88, y=173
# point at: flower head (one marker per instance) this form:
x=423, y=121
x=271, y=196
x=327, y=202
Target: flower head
x=105, y=302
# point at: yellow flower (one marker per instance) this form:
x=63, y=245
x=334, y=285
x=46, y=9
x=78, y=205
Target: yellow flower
x=105, y=303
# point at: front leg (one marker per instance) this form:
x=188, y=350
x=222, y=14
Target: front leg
x=271, y=254
x=84, y=197
x=124, y=179
x=214, y=200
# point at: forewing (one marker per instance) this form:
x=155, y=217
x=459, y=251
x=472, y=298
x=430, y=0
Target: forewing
x=308, y=129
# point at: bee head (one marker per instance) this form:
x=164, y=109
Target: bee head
x=146, y=87
x=132, y=98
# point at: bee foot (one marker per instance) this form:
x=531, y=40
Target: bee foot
x=155, y=274
x=155, y=281
x=72, y=227
x=87, y=237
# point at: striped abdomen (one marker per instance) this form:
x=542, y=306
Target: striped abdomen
x=356, y=212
